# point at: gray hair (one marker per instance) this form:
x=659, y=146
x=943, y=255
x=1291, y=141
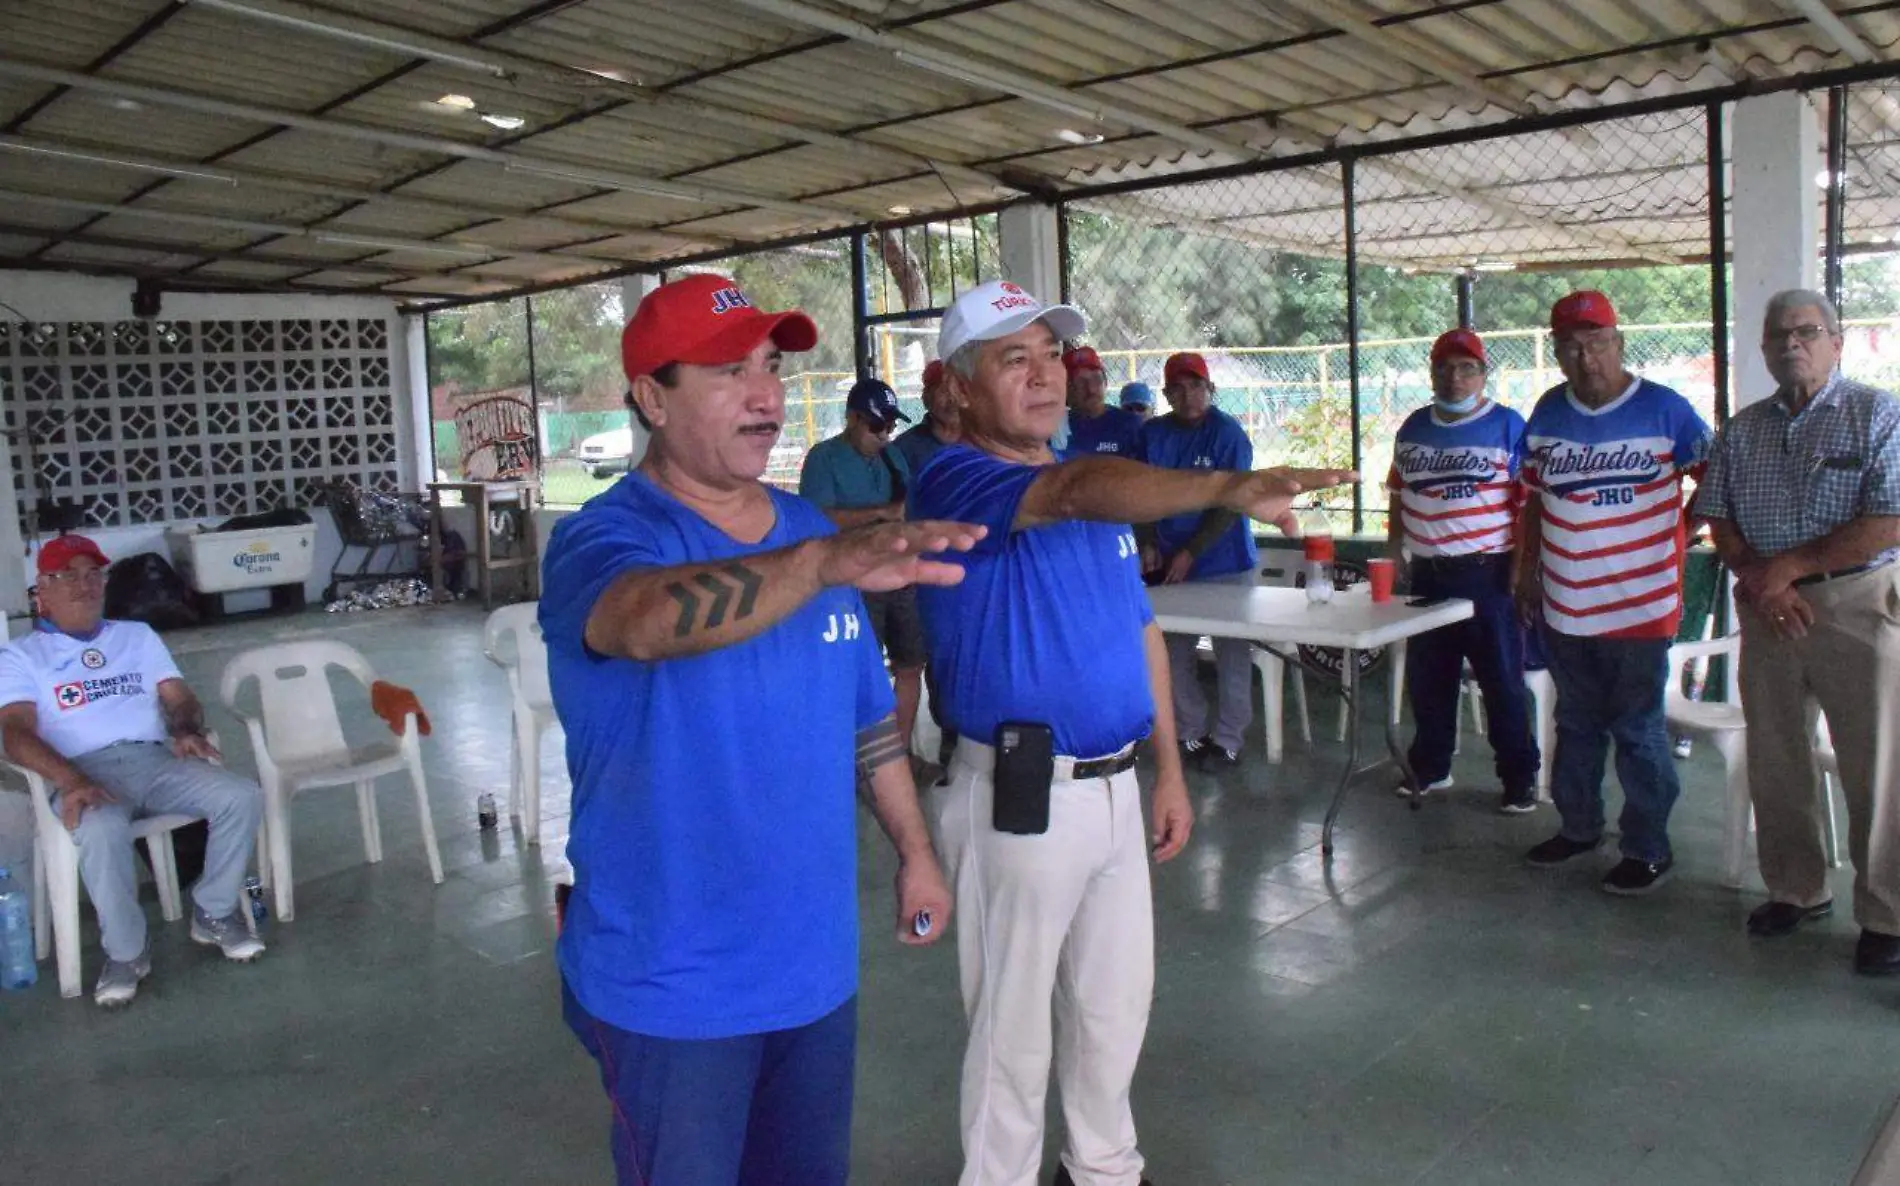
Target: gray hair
x=1801, y=298
x=962, y=360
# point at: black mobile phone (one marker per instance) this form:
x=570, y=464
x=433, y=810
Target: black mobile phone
x=1426, y=602
x=1025, y=767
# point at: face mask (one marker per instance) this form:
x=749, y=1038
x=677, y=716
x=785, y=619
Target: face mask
x=1458, y=407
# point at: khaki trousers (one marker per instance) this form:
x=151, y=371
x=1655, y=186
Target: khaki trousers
x=1055, y=941
x=1848, y=666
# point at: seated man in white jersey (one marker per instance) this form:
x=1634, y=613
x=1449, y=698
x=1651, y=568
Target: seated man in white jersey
x=1602, y=540
x=1454, y=485
x=98, y=709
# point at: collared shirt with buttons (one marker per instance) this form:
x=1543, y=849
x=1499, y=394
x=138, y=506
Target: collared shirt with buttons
x=1786, y=479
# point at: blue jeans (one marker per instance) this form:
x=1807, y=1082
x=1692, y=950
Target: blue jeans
x=1492, y=641
x=1613, y=688
x=769, y=1109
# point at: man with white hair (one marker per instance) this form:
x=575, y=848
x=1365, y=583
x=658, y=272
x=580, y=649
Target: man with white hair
x=1803, y=495
x=1052, y=670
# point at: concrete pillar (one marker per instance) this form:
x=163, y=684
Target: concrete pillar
x=417, y=399
x=1775, y=154
x=632, y=288
x=1032, y=257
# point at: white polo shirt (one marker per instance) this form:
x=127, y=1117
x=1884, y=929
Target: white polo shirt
x=90, y=692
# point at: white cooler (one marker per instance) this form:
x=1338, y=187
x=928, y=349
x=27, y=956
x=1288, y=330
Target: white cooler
x=225, y=561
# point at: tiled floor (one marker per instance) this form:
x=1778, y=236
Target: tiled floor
x=1428, y=1011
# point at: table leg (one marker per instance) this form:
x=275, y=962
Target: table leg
x=1348, y=691
x=435, y=548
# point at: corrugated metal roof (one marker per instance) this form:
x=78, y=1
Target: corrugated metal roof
x=687, y=127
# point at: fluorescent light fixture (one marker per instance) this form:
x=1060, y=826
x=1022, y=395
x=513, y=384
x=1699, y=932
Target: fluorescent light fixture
x=277, y=15
x=995, y=83
x=468, y=250
x=124, y=104
x=1493, y=265
x=458, y=102
x=11, y=144
x=900, y=211
x=1071, y=136
x=506, y=123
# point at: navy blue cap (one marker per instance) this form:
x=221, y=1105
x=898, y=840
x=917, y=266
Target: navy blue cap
x=874, y=400
x=1137, y=395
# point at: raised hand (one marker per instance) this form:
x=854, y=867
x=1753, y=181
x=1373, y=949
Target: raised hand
x=880, y=557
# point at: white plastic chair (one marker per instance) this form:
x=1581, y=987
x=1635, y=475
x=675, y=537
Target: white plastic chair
x=1721, y=723
x=1543, y=690
x=1271, y=669
x=56, y=880
x=299, y=746
x=532, y=701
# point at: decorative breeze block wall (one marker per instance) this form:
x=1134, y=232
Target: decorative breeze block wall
x=156, y=421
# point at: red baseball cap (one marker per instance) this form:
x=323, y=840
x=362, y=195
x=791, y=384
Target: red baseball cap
x=1183, y=364
x=61, y=551
x=1082, y=358
x=1588, y=309
x=933, y=372
x=1458, y=341
x=705, y=320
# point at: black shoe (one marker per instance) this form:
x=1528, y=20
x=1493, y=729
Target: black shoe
x=1770, y=919
x=1633, y=878
x=1877, y=954
x=1063, y=1179
x=1223, y=756
x=1197, y=749
x=1521, y=802
x=1560, y=848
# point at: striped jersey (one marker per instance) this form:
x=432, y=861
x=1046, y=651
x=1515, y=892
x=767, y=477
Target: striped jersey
x=1457, y=483
x=1608, y=488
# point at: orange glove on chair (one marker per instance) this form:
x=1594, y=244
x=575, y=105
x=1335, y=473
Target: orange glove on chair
x=393, y=702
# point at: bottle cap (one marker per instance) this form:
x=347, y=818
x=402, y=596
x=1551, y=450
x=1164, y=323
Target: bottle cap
x=1318, y=547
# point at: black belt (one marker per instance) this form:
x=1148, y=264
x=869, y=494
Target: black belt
x=1818, y=577
x=1104, y=767
x=1468, y=560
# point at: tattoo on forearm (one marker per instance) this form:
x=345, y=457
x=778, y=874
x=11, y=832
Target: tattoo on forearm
x=878, y=746
x=185, y=719
x=715, y=591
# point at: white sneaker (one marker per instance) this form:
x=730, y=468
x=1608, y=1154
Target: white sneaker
x=119, y=981
x=1443, y=784
x=228, y=934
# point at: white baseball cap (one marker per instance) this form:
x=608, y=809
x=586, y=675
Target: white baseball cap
x=997, y=310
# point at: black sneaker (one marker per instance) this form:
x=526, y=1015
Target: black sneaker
x=1633, y=878
x=1558, y=849
x=1519, y=802
x=1062, y=1178
x=1196, y=749
x=1229, y=758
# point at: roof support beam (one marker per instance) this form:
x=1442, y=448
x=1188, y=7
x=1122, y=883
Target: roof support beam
x=1339, y=15
x=1833, y=28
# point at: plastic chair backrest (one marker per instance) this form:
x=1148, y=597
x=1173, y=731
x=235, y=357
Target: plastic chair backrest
x=293, y=688
x=39, y=792
x=530, y=663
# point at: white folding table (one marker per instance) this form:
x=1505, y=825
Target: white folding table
x=1282, y=620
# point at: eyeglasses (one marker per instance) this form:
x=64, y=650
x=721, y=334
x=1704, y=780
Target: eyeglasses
x=78, y=576
x=1800, y=333
x=1596, y=344
x=1459, y=370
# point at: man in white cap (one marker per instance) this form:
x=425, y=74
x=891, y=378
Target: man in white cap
x=1039, y=819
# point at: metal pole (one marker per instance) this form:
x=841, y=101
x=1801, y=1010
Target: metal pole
x=1352, y=335
x=860, y=307
x=534, y=384
x=1062, y=248
x=1718, y=260
x=1464, y=300
x=1836, y=190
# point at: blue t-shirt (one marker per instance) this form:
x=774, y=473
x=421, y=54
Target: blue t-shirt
x=1217, y=442
x=714, y=831
x=1047, y=623
x=1115, y=431
x=918, y=444
x=837, y=475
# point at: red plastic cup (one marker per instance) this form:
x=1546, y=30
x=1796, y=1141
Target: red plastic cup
x=1380, y=571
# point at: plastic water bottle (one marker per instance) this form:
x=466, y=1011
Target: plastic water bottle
x=487, y=817
x=17, y=969
x=254, y=891
x=1316, y=534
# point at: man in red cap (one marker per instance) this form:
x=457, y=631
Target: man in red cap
x=98, y=709
x=1095, y=426
x=711, y=661
x=1602, y=553
x=939, y=427
x=1453, y=510
x=1201, y=545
